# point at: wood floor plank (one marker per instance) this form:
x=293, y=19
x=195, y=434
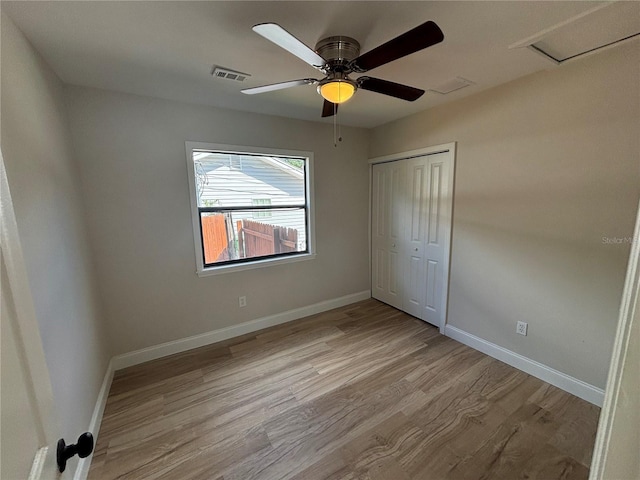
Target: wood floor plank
x=511, y=446
x=329, y=467
x=553, y=465
x=389, y=439
x=363, y=392
x=575, y=436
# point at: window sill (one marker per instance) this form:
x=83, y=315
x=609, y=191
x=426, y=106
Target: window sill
x=238, y=267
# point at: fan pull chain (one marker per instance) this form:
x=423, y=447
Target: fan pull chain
x=337, y=135
x=335, y=121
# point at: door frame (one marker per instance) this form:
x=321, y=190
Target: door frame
x=615, y=391
x=450, y=149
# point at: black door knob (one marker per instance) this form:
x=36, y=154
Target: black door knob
x=83, y=448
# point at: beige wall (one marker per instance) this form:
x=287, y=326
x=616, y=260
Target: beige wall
x=46, y=196
x=547, y=166
x=131, y=152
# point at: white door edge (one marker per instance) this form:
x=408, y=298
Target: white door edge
x=38, y=464
x=29, y=343
x=629, y=312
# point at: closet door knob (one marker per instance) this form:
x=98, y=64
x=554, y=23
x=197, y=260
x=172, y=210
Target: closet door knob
x=416, y=249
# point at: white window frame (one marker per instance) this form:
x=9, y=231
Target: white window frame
x=201, y=271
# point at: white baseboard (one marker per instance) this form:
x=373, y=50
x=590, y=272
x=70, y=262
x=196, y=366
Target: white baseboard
x=82, y=470
x=543, y=372
x=184, y=344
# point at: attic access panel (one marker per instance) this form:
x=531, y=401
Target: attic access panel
x=598, y=28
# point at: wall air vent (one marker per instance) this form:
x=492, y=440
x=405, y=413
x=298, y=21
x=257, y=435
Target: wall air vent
x=451, y=85
x=222, y=72
x=603, y=26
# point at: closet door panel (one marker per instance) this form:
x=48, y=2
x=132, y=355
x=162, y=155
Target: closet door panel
x=431, y=287
x=415, y=213
x=436, y=236
x=387, y=227
x=394, y=277
x=379, y=233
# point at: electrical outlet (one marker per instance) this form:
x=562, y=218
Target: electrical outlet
x=242, y=301
x=521, y=328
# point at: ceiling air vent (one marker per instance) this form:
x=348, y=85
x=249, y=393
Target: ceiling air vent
x=222, y=72
x=451, y=85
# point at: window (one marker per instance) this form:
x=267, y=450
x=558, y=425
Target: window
x=251, y=207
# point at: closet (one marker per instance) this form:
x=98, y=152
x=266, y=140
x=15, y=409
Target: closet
x=411, y=232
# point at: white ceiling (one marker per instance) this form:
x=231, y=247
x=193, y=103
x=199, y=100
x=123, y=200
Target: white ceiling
x=166, y=49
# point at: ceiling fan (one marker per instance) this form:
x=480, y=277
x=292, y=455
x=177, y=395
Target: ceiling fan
x=336, y=57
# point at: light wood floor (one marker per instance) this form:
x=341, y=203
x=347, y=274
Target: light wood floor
x=360, y=392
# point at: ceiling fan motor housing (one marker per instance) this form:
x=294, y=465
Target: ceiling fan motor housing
x=338, y=51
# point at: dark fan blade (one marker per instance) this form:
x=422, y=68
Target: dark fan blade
x=392, y=89
x=409, y=42
x=329, y=109
x=278, y=35
x=279, y=86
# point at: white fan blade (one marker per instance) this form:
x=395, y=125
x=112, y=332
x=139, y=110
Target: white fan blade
x=279, y=86
x=278, y=35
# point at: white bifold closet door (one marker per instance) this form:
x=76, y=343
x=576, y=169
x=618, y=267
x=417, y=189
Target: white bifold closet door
x=411, y=230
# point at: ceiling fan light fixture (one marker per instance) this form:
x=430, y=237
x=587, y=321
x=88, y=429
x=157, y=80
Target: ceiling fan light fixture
x=337, y=90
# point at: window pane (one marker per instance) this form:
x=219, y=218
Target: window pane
x=238, y=235
x=235, y=180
